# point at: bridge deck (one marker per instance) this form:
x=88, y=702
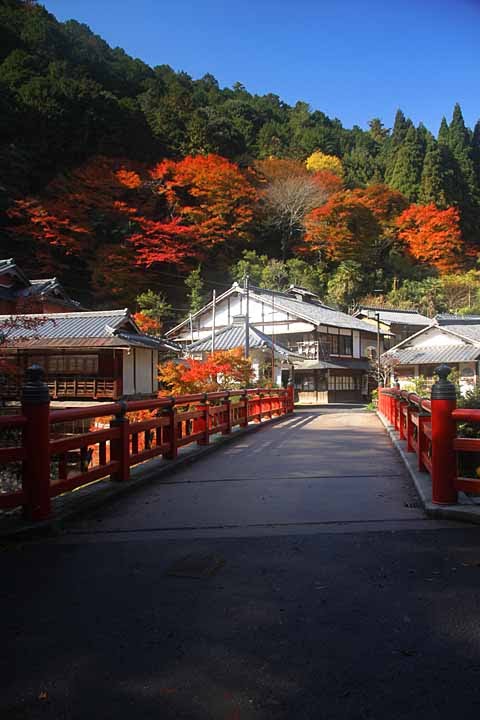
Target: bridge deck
x=322, y=469
x=360, y=608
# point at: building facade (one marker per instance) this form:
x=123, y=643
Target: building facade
x=94, y=355
x=396, y=325
x=449, y=339
x=330, y=349
x=19, y=294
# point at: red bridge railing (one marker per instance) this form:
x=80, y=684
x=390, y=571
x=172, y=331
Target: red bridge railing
x=120, y=435
x=430, y=429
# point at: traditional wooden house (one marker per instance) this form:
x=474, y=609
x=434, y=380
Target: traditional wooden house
x=396, y=325
x=263, y=351
x=333, y=348
x=86, y=355
x=453, y=340
x=19, y=294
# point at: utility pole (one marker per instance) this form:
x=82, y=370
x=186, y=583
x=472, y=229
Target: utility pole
x=191, y=327
x=247, y=318
x=213, y=320
x=273, y=337
x=377, y=318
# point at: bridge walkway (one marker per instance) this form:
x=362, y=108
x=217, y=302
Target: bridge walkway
x=329, y=469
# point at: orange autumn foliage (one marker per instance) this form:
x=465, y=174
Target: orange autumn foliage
x=208, y=193
x=433, y=236
x=147, y=324
x=221, y=370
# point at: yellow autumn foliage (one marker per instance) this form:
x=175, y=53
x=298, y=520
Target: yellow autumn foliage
x=318, y=161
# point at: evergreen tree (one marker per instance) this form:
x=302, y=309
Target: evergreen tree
x=194, y=284
x=408, y=166
x=432, y=182
x=476, y=151
x=401, y=126
x=443, y=132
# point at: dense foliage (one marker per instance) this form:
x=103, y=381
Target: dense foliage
x=122, y=178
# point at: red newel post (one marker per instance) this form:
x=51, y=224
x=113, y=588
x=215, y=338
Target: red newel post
x=444, y=430
x=290, y=396
x=36, y=441
x=120, y=447
x=228, y=414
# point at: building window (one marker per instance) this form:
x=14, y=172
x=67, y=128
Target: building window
x=305, y=383
x=345, y=345
x=336, y=344
x=72, y=364
x=344, y=382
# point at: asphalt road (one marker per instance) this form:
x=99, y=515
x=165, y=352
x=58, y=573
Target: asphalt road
x=370, y=615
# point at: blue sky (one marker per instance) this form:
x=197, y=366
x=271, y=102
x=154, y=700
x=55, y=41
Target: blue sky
x=352, y=59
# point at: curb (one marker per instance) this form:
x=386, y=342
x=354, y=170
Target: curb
x=466, y=510
x=91, y=497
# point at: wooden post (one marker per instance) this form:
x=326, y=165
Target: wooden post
x=444, y=431
x=228, y=411
x=205, y=421
x=120, y=447
x=36, y=442
x=171, y=412
x=290, y=396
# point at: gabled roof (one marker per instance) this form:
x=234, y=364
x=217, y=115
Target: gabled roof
x=436, y=354
x=393, y=315
x=233, y=336
x=34, y=288
x=466, y=326
x=311, y=311
x=463, y=327
x=315, y=312
x=102, y=328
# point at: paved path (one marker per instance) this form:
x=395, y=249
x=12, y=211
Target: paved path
x=336, y=599
x=318, y=471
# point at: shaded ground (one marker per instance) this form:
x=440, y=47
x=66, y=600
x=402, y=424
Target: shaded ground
x=373, y=616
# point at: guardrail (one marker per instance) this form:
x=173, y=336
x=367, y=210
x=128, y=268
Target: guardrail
x=429, y=427
x=132, y=433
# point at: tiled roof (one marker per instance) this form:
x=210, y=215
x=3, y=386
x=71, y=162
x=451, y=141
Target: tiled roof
x=467, y=326
x=392, y=315
x=104, y=327
x=435, y=354
x=333, y=364
x=315, y=312
x=234, y=336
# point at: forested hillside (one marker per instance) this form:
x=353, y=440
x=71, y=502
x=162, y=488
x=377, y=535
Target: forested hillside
x=121, y=178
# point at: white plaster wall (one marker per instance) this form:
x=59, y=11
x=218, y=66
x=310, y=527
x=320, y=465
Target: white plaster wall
x=128, y=379
x=143, y=370
x=434, y=337
x=356, y=344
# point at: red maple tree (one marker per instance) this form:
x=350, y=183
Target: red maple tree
x=433, y=236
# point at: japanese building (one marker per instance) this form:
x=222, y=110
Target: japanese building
x=332, y=348
x=95, y=355
x=19, y=294
x=453, y=340
x=396, y=325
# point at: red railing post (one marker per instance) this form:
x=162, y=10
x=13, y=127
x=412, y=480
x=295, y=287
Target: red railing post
x=36, y=442
x=410, y=428
x=171, y=413
x=204, y=422
x=120, y=447
x=444, y=430
x=228, y=412
x=290, y=396
x=244, y=400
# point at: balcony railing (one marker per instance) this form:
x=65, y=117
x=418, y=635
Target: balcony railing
x=68, y=387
